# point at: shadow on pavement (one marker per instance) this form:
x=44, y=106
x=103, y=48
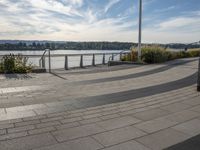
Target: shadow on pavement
x=191, y=144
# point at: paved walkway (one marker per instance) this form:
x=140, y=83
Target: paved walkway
x=149, y=107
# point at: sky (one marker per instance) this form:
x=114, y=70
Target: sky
x=164, y=21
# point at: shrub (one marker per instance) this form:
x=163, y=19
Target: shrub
x=15, y=64
x=9, y=63
x=154, y=54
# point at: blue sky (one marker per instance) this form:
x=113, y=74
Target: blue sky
x=164, y=21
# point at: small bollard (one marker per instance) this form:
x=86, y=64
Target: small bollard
x=49, y=60
x=198, y=80
x=66, y=63
x=104, y=59
x=43, y=62
x=120, y=57
x=81, y=61
x=112, y=57
x=93, y=60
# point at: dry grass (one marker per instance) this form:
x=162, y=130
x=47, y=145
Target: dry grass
x=194, y=49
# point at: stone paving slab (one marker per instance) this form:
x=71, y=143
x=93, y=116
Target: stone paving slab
x=118, y=136
x=131, y=145
x=151, y=114
x=77, y=132
x=155, y=125
x=28, y=142
x=79, y=144
x=163, y=139
x=191, y=127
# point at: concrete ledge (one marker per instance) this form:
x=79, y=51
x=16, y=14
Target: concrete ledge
x=114, y=63
x=38, y=70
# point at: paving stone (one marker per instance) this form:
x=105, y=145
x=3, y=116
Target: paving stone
x=193, y=102
x=50, y=110
x=34, y=118
x=92, y=112
x=182, y=116
x=91, y=116
x=118, y=136
x=79, y=144
x=24, y=123
x=109, y=116
x=118, y=122
x=5, y=126
x=57, y=114
x=41, y=130
x=25, y=108
x=10, y=121
x=69, y=120
x=28, y=142
x=77, y=132
x=196, y=108
x=2, y=131
x=155, y=125
x=68, y=125
x=91, y=120
x=47, y=124
x=131, y=145
x=51, y=119
x=17, y=115
x=162, y=139
x=19, y=129
x=175, y=107
x=191, y=127
x=12, y=136
x=151, y=114
x=73, y=115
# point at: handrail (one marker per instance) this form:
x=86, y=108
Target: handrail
x=117, y=54
x=60, y=55
x=40, y=60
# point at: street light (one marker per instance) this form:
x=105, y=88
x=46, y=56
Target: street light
x=140, y=30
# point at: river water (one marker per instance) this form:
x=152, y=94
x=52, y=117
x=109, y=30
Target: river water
x=73, y=61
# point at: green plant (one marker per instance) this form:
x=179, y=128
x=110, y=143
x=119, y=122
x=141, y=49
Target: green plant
x=15, y=64
x=157, y=54
x=9, y=63
x=154, y=54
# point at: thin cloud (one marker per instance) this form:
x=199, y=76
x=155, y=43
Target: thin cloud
x=110, y=5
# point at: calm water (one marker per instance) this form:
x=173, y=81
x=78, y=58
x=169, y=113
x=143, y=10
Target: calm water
x=74, y=61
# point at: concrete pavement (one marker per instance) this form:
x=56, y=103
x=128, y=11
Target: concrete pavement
x=149, y=107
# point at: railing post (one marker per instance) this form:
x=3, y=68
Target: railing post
x=112, y=57
x=49, y=60
x=104, y=59
x=120, y=56
x=198, y=80
x=43, y=62
x=93, y=60
x=81, y=61
x=66, y=63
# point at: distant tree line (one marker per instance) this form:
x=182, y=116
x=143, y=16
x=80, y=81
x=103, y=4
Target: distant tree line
x=41, y=45
x=67, y=46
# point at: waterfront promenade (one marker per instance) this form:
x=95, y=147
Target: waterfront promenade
x=128, y=107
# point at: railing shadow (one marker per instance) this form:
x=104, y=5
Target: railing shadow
x=55, y=74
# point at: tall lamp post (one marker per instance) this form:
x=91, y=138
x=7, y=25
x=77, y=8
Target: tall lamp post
x=140, y=30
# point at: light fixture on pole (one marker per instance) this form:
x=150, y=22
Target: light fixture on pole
x=140, y=30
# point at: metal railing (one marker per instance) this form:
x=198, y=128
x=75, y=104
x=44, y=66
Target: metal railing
x=42, y=58
x=120, y=53
x=42, y=61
